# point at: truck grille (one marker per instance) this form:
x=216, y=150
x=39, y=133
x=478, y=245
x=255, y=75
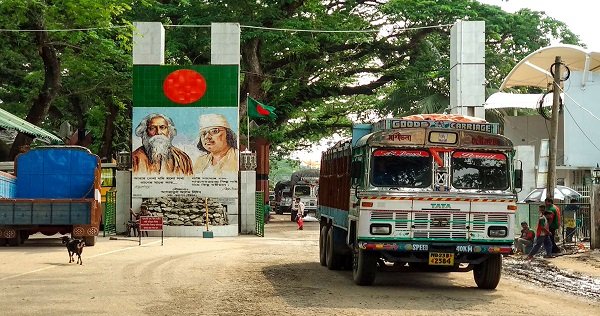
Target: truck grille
x=480, y=220
x=440, y=225
x=401, y=218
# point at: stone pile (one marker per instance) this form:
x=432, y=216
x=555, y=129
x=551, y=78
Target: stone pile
x=187, y=211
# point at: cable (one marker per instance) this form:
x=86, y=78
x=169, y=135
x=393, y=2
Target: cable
x=241, y=26
x=68, y=30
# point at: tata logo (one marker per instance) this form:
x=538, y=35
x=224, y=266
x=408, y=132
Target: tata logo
x=440, y=205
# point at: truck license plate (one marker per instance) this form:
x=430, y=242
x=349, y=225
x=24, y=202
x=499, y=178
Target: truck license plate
x=441, y=259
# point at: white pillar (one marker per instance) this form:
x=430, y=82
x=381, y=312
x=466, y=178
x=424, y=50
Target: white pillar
x=148, y=43
x=123, y=179
x=225, y=43
x=467, y=68
x=248, y=202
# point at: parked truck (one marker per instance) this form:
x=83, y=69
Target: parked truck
x=304, y=184
x=283, y=197
x=434, y=193
x=55, y=189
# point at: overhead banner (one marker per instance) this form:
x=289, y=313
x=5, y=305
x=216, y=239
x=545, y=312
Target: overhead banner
x=185, y=139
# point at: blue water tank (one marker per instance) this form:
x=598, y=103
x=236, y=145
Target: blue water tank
x=56, y=172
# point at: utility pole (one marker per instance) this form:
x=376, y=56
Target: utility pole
x=551, y=180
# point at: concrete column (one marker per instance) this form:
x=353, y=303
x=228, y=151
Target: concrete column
x=225, y=43
x=148, y=43
x=467, y=68
x=123, y=178
x=248, y=202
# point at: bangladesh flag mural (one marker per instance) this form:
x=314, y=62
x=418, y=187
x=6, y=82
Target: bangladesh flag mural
x=185, y=144
x=192, y=86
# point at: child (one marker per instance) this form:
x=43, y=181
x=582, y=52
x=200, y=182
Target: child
x=300, y=222
x=542, y=234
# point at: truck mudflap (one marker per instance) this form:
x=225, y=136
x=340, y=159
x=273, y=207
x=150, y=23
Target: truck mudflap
x=415, y=247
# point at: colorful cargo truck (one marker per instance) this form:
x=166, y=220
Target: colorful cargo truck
x=433, y=193
x=55, y=189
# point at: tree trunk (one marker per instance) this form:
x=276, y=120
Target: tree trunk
x=254, y=78
x=106, y=152
x=51, y=85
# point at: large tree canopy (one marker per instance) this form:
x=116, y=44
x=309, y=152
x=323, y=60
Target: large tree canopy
x=395, y=60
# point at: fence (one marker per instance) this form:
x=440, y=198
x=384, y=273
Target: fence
x=109, y=218
x=260, y=217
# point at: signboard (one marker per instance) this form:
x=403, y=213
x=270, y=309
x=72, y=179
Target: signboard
x=399, y=124
x=151, y=223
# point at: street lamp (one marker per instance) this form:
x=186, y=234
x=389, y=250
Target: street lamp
x=123, y=160
x=596, y=174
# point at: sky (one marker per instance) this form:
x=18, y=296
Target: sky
x=578, y=15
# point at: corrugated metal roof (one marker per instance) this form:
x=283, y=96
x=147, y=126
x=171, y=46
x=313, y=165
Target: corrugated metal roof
x=12, y=122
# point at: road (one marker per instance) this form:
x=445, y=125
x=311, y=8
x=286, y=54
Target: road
x=275, y=275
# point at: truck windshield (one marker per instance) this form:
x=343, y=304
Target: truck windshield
x=401, y=168
x=302, y=190
x=477, y=170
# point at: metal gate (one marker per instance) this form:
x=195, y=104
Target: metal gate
x=575, y=223
x=109, y=217
x=260, y=217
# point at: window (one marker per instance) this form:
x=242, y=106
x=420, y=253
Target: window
x=479, y=170
x=302, y=190
x=401, y=168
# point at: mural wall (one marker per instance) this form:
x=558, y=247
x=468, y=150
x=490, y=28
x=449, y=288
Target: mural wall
x=185, y=142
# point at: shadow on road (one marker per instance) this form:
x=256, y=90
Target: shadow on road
x=312, y=285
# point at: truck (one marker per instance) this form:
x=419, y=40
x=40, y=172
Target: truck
x=304, y=184
x=433, y=193
x=283, y=197
x=55, y=190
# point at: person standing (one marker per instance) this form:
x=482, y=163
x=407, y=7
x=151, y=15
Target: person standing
x=524, y=242
x=300, y=215
x=554, y=222
x=542, y=235
x=570, y=216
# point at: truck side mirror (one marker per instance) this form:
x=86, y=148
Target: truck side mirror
x=518, y=179
x=356, y=170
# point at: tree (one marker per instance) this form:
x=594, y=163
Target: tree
x=57, y=76
x=317, y=79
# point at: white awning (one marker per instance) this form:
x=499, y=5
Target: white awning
x=503, y=100
x=534, y=70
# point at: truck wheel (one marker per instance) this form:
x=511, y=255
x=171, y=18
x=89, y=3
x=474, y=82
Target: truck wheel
x=24, y=236
x=364, y=266
x=487, y=274
x=2, y=242
x=89, y=240
x=323, y=246
x=13, y=242
x=333, y=260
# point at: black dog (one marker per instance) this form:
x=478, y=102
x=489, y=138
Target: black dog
x=74, y=246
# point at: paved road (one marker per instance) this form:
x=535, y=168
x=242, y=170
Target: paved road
x=246, y=275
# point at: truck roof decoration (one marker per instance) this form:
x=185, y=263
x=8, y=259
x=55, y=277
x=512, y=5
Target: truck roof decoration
x=441, y=121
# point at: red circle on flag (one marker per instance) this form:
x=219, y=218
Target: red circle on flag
x=184, y=86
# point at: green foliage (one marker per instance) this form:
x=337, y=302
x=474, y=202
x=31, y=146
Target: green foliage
x=319, y=82
x=281, y=169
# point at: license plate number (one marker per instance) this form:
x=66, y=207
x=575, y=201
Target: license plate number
x=441, y=259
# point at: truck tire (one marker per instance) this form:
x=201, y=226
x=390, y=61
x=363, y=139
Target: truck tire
x=89, y=240
x=333, y=260
x=13, y=242
x=323, y=246
x=24, y=236
x=2, y=242
x=487, y=274
x=278, y=210
x=364, y=266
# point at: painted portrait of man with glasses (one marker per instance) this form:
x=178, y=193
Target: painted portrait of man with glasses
x=219, y=143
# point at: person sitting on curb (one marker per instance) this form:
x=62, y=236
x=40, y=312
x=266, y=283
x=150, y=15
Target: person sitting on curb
x=542, y=234
x=524, y=243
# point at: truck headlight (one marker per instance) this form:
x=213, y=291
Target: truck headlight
x=497, y=231
x=381, y=229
